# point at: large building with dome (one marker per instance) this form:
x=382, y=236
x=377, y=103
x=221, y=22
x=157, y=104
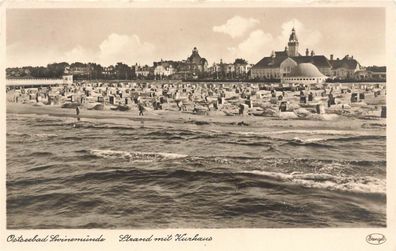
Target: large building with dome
x=284, y=65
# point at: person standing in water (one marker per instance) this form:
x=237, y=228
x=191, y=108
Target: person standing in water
x=78, y=113
x=141, y=109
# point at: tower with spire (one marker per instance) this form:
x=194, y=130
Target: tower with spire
x=293, y=44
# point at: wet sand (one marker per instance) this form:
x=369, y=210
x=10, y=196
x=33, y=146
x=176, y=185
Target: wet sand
x=213, y=117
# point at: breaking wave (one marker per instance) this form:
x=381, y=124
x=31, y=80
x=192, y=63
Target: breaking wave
x=328, y=181
x=39, y=135
x=113, y=154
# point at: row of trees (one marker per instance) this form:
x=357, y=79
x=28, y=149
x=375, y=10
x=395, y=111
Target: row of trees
x=120, y=71
x=78, y=69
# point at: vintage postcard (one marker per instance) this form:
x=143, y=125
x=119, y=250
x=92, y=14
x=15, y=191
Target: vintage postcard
x=198, y=125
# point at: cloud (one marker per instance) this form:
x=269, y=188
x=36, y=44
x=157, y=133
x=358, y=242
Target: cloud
x=22, y=54
x=259, y=44
x=116, y=48
x=128, y=49
x=256, y=44
x=307, y=38
x=79, y=54
x=236, y=26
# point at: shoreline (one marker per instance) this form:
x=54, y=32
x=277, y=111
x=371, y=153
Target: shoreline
x=213, y=118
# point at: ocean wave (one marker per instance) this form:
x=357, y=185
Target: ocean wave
x=45, y=135
x=84, y=125
x=320, y=132
x=327, y=181
x=40, y=154
x=16, y=134
x=110, y=127
x=324, y=142
x=323, y=139
x=358, y=138
x=42, y=167
x=39, y=135
x=315, y=142
x=374, y=125
x=113, y=154
x=289, y=161
x=312, y=140
x=306, y=132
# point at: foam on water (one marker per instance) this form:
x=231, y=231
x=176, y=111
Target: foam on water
x=43, y=135
x=312, y=140
x=340, y=139
x=113, y=154
x=308, y=132
x=328, y=181
x=40, y=135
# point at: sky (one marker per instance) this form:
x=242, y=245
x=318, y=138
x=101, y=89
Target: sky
x=38, y=37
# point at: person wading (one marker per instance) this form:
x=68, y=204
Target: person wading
x=78, y=113
x=141, y=109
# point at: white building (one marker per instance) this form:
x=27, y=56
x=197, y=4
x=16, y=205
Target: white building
x=164, y=70
x=142, y=70
x=304, y=73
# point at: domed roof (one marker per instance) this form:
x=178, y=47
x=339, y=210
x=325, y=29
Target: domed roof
x=306, y=70
x=195, y=58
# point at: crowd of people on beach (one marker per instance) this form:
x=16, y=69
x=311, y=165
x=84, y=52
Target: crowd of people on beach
x=205, y=98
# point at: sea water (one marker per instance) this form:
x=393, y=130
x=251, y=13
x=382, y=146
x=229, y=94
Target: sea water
x=123, y=173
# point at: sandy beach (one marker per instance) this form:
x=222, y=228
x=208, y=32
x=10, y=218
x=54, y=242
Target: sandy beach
x=338, y=122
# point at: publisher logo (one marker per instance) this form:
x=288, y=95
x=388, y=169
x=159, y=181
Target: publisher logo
x=375, y=239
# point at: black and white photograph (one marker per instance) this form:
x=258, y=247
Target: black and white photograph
x=196, y=118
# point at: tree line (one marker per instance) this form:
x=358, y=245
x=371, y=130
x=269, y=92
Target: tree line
x=78, y=69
